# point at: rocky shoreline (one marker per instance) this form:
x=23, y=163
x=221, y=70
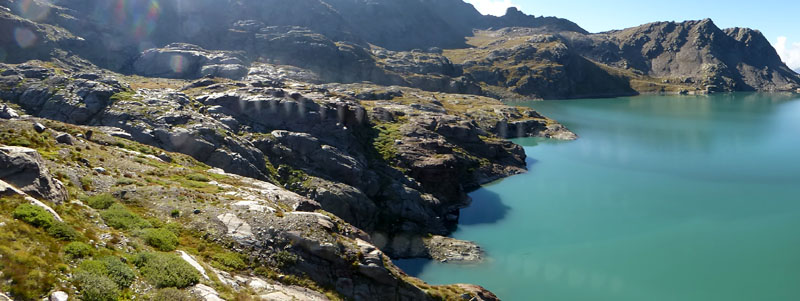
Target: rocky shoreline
x=385, y=167
x=288, y=149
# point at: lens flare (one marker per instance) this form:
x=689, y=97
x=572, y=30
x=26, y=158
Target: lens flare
x=119, y=12
x=32, y=10
x=24, y=37
x=176, y=63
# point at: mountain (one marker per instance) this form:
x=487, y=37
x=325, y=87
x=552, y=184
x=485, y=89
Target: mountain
x=686, y=57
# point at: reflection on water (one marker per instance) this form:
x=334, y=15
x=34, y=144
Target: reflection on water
x=662, y=198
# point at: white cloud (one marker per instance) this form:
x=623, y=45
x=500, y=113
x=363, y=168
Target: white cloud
x=492, y=7
x=790, y=53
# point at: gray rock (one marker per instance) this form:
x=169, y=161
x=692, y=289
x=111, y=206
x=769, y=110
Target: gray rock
x=39, y=128
x=65, y=138
x=59, y=296
x=179, y=60
x=25, y=169
x=7, y=112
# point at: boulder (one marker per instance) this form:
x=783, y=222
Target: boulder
x=59, y=296
x=39, y=128
x=25, y=169
x=65, y=139
x=7, y=112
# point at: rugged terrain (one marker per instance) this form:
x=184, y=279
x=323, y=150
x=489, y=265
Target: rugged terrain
x=289, y=149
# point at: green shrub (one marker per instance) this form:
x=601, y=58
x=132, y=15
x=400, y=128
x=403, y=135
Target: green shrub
x=118, y=271
x=34, y=215
x=175, y=213
x=171, y=294
x=86, y=183
x=100, y=201
x=285, y=259
x=94, y=287
x=119, y=217
x=63, y=232
x=109, y=267
x=166, y=270
x=78, y=249
x=228, y=261
x=197, y=177
x=161, y=239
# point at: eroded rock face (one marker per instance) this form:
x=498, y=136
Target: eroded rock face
x=25, y=169
x=188, y=61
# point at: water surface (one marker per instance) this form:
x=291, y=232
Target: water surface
x=662, y=198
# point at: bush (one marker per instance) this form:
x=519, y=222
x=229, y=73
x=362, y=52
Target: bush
x=34, y=215
x=119, y=217
x=285, y=259
x=96, y=287
x=228, y=261
x=109, y=267
x=78, y=249
x=63, y=232
x=100, y=201
x=175, y=213
x=118, y=271
x=166, y=270
x=197, y=177
x=171, y=294
x=161, y=239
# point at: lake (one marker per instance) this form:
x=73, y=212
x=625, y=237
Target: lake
x=661, y=198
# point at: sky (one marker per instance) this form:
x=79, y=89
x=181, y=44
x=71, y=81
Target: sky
x=776, y=19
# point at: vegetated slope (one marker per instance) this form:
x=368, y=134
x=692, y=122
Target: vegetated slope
x=137, y=225
x=394, y=162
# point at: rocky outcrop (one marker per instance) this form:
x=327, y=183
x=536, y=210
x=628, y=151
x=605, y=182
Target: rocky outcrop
x=25, y=169
x=667, y=57
x=701, y=54
x=189, y=62
x=374, y=158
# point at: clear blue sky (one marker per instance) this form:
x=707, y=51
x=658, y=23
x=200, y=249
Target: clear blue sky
x=774, y=18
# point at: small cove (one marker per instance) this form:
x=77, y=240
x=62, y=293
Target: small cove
x=662, y=198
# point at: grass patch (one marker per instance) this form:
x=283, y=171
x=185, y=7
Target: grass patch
x=197, y=177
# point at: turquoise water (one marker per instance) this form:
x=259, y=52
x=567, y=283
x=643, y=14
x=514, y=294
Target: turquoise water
x=662, y=198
